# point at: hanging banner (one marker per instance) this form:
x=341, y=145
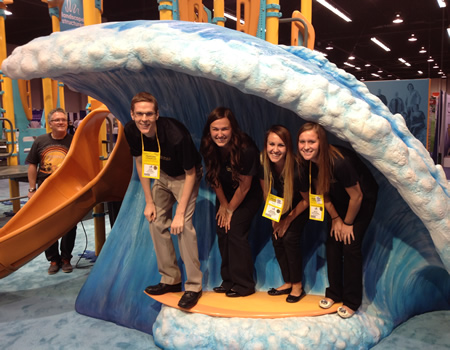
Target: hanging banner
x=408, y=98
x=72, y=15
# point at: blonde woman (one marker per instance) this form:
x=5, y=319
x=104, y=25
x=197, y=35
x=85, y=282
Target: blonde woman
x=350, y=194
x=279, y=177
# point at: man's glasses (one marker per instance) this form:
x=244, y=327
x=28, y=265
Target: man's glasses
x=58, y=121
x=146, y=114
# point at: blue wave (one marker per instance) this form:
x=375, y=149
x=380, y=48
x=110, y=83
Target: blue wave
x=193, y=68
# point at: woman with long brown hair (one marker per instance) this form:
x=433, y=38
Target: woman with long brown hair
x=349, y=192
x=232, y=160
x=280, y=177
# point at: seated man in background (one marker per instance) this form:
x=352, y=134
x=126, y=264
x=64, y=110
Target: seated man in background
x=46, y=155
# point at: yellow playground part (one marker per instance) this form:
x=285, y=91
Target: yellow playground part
x=25, y=97
x=193, y=11
x=248, y=11
x=302, y=31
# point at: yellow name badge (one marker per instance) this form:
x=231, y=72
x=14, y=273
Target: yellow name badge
x=316, y=207
x=273, y=207
x=150, y=164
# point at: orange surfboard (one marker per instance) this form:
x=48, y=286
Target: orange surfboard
x=258, y=305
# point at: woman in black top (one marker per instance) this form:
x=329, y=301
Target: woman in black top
x=280, y=174
x=350, y=194
x=232, y=160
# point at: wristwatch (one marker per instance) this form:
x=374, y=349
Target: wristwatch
x=31, y=189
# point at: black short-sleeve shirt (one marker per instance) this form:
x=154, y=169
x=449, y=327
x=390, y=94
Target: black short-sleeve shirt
x=48, y=153
x=248, y=165
x=347, y=172
x=178, y=152
x=278, y=185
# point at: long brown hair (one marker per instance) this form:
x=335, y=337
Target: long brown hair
x=211, y=152
x=287, y=174
x=327, y=155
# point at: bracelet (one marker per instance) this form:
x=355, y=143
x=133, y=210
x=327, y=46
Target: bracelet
x=31, y=190
x=348, y=224
x=334, y=218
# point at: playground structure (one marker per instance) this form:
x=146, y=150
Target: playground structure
x=128, y=264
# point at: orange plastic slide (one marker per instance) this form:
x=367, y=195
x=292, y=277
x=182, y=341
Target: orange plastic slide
x=67, y=195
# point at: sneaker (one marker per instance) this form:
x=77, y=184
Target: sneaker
x=66, y=267
x=53, y=268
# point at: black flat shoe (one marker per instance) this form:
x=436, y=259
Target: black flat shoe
x=189, y=299
x=220, y=289
x=294, y=299
x=232, y=294
x=274, y=291
x=162, y=288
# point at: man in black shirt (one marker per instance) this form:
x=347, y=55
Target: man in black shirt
x=163, y=150
x=46, y=155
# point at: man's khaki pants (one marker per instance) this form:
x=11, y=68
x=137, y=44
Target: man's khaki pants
x=165, y=192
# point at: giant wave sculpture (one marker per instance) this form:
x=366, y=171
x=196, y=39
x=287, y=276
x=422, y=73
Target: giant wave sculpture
x=191, y=69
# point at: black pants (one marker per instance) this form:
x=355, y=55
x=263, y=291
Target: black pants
x=345, y=261
x=288, y=250
x=237, y=262
x=67, y=244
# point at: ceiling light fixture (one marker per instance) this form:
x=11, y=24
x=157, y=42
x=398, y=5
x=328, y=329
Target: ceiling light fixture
x=441, y=3
x=403, y=61
x=349, y=64
x=422, y=50
x=367, y=65
x=448, y=30
x=397, y=19
x=358, y=68
x=380, y=44
x=329, y=47
x=430, y=59
x=351, y=57
x=375, y=75
x=435, y=66
x=379, y=70
x=412, y=38
x=334, y=10
x=420, y=72
x=233, y=18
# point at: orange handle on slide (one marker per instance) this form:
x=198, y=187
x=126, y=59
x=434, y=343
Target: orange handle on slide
x=248, y=11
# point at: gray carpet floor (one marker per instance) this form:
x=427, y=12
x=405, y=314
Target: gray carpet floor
x=37, y=311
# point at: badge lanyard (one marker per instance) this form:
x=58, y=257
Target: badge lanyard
x=316, y=202
x=274, y=206
x=151, y=161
